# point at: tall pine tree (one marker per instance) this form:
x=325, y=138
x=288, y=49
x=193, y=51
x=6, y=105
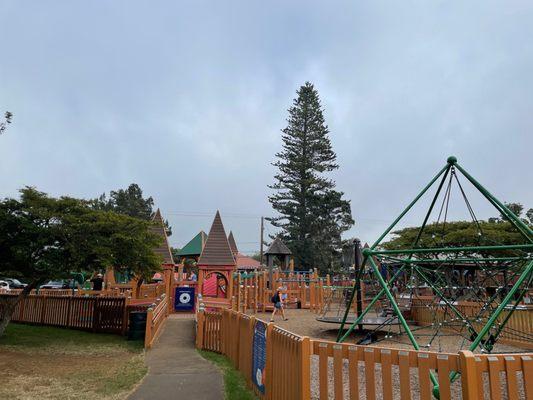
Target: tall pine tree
x=312, y=214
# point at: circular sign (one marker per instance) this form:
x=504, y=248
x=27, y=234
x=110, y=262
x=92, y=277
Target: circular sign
x=185, y=298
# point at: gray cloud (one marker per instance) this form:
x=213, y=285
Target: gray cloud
x=187, y=99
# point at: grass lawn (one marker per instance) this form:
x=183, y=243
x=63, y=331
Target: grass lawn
x=38, y=362
x=234, y=384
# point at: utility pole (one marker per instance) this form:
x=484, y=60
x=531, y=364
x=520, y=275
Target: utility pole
x=261, y=243
x=357, y=263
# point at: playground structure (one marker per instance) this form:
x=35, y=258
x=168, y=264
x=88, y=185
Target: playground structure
x=506, y=268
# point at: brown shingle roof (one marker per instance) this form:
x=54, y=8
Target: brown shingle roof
x=158, y=227
x=277, y=247
x=217, y=250
x=232, y=244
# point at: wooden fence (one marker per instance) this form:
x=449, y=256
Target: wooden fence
x=517, y=331
x=150, y=290
x=97, y=314
x=302, y=368
x=155, y=317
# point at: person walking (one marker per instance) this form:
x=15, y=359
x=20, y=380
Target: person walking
x=278, y=306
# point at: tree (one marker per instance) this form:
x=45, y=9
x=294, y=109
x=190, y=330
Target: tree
x=47, y=238
x=517, y=209
x=457, y=234
x=529, y=215
x=130, y=202
x=175, y=253
x=7, y=120
x=312, y=215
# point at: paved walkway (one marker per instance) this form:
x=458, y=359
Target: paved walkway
x=176, y=370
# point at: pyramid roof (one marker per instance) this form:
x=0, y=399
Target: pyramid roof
x=232, y=243
x=277, y=247
x=158, y=228
x=217, y=250
x=195, y=245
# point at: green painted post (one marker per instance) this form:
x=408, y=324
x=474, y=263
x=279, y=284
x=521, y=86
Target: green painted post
x=366, y=310
x=409, y=207
x=452, y=249
x=502, y=306
x=512, y=217
x=439, y=293
x=398, y=312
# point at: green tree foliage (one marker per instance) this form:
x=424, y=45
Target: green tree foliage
x=495, y=231
x=175, y=253
x=45, y=238
x=529, y=216
x=312, y=214
x=130, y=202
x=456, y=234
x=8, y=117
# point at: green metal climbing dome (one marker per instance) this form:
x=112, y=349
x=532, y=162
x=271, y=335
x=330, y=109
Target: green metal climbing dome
x=439, y=279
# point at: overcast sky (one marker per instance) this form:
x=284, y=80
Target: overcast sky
x=187, y=99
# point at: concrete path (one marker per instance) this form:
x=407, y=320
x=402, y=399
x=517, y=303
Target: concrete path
x=176, y=370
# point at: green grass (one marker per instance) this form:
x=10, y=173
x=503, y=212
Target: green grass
x=29, y=338
x=54, y=363
x=234, y=383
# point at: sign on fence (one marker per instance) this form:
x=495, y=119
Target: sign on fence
x=184, y=299
x=259, y=356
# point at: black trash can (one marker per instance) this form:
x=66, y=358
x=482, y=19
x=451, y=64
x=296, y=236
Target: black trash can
x=137, y=327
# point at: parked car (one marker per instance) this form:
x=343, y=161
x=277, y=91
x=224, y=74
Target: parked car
x=60, y=284
x=4, y=285
x=14, y=283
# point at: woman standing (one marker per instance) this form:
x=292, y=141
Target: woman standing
x=278, y=306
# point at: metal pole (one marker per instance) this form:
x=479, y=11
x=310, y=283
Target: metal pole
x=409, y=206
x=357, y=262
x=398, y=312
x=517, y=222
x=502, y=306
x=441, y=295
x=366, y=310
x=261, y=241
x=452, y=249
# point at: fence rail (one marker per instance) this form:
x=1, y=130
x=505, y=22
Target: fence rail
x=155, y=317
x=518, y=328
x=301, y=368
x=97, y=314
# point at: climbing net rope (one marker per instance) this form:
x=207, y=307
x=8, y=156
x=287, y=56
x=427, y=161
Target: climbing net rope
x=458, y=294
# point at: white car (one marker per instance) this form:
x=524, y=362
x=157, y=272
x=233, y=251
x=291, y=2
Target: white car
x=4, y=286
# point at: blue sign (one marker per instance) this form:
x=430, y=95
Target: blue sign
x=259, y=356
x=184, y=299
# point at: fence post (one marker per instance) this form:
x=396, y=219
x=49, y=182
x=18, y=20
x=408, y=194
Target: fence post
x=200, y=319
x=269, y=362
x=125, y=318
x=305, y=369
x=148, y=332
x=468, y=375
x=43, y=308
x=69, y=308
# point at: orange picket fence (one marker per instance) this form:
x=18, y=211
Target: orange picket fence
x=155, y=318
x=302, y=368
